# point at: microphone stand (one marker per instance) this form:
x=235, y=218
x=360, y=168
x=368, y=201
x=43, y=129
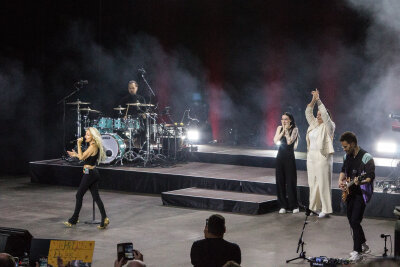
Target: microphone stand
x=62, y=100
x=148, y=85
x=385, y=250
x=147, y=158
x=301, y=242
x=93, y=221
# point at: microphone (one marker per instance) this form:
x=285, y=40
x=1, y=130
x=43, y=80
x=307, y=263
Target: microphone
x=82, y=82
x=74, y=141
x=384, y=236
x=142, y=70
x=394, y=116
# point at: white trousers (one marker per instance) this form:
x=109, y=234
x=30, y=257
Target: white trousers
x=319, y=170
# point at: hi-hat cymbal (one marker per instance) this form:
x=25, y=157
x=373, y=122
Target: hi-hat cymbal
x=89, y=110
x=140, y=104
x=78, y=103
x=119, y=108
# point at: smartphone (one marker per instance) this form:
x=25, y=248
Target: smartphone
x=43, y=262
x=125, y=250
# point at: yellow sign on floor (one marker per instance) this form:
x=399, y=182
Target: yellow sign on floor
x=71, y=251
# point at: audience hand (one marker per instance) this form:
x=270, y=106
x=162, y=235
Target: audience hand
x=120, y=263
x=138, y=255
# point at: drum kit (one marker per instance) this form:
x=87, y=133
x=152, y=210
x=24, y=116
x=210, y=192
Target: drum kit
x=132, y=138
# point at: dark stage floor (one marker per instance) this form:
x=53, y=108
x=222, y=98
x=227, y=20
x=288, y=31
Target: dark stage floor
x=165, y=234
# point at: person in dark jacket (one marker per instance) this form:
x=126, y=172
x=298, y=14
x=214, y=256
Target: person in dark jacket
x=214, y=250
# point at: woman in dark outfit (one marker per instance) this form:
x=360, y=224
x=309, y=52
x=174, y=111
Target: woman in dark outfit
x=286, y=137
x=90, y=179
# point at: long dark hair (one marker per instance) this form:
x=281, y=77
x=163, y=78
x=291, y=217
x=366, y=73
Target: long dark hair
x=292, y=126
x=292, y=122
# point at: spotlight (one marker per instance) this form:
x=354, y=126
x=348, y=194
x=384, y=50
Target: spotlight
x=386, y=147
x=193, y=135
x=278, y=143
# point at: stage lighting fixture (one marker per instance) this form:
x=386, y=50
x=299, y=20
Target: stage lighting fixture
x=386, y=147
x=278, y=143
x=193, y=135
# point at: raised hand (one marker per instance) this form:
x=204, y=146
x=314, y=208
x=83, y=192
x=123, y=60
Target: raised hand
x=315, y=95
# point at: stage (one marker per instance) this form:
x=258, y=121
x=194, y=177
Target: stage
x=217, y=177
x=164, y=234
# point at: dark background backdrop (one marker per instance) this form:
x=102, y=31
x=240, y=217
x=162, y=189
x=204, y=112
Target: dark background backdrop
x=236, y=64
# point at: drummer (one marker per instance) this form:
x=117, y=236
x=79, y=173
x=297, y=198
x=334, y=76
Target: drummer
x=132, y=97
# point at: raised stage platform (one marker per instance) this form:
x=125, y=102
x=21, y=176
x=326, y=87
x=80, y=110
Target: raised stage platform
x=216, y=177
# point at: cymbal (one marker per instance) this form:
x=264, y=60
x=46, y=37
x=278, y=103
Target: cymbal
x=78, y=103
x=148, y=114
x=174, y=124
x=89, y=110
x=119, y=108
x=140, y=104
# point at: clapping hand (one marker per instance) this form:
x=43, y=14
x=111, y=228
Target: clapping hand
x=315, y=95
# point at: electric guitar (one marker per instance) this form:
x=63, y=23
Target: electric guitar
x=350, y=183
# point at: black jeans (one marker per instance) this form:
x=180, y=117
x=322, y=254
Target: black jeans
x=355, y=213
x=286, y=180
x=89, y=181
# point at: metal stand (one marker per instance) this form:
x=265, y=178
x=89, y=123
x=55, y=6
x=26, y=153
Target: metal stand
x=147, y=157
x=62, y=100
x=301, y=242
x=93, y=221
x=385, y=250
x=131, y=155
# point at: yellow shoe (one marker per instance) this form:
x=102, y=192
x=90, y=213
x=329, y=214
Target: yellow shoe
x=104, y=223
x=68, y=224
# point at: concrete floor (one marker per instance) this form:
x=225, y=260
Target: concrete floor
x=165, y=234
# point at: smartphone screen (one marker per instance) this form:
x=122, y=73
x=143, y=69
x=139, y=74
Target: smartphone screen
x=125, y=250
x=129, y=251
x=43, y=262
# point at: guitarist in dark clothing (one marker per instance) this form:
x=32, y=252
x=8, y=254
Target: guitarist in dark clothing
x=359, y=167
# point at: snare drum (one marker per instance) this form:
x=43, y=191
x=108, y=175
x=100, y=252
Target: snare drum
x=105, y=125
x=114, y=147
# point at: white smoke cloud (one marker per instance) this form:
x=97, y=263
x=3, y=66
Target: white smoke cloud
x=382, y=74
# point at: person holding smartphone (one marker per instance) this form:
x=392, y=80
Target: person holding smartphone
x=287, y=137
x=136, y=262
x=90, y=179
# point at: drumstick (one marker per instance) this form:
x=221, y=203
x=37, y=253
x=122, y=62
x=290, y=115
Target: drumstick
x=126, y=113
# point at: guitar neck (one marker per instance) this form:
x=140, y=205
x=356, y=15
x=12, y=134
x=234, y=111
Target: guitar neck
x=361, y=178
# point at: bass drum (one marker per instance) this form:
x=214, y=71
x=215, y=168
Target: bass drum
x=114, y=147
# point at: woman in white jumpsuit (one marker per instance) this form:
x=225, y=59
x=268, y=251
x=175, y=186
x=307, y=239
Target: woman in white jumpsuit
x=319, y=156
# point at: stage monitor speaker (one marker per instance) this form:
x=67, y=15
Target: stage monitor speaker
x=15, y=241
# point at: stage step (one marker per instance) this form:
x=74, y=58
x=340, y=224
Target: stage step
x=229, y=201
